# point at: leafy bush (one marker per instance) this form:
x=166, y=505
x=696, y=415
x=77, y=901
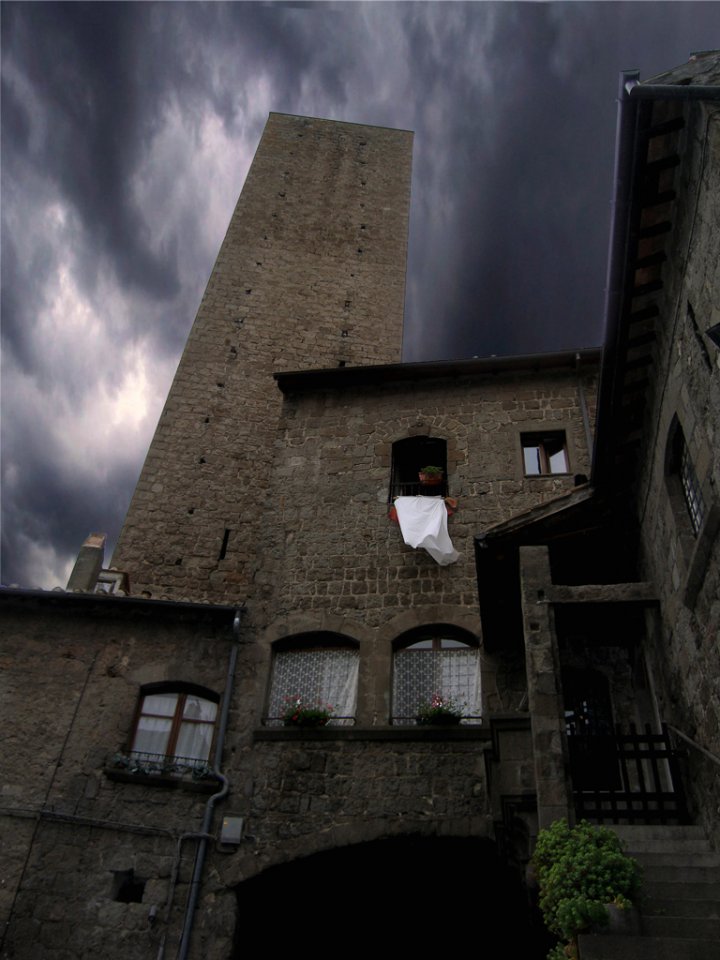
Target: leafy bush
x=579, y=870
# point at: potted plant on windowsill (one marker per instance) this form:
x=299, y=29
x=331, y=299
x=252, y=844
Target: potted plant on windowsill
x=303, y=714
x=431, y=476
x=439, y=712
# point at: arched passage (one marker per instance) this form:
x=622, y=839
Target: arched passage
x=406, y=893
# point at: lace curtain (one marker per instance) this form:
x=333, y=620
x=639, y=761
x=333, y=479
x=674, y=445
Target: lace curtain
x=325, y=677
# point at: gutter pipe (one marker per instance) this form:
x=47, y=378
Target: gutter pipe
x=625, y=127
x=194, y=894
x=630, y=91
x=668, y=91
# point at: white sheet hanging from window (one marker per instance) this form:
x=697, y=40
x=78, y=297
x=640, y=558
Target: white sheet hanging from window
x=423, y=523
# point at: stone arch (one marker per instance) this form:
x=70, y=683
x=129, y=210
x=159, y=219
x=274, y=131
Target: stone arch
x=317, y=621
x=430, y=615
x=398, y=888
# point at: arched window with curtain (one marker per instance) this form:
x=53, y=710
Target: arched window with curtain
x=440, y=664
x=318, y=671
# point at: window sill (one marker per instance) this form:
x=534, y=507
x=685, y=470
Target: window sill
x=120, y=771
x=390, y=734
x=162, y=780
x=547, y=476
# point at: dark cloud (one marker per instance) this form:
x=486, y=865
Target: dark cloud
x=126, y=132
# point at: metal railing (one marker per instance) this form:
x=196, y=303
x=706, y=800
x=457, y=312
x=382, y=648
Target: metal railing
x=157, y=764
x=687, y=739
x=331, y=722
x=471, y=720
x=627, y=777
x=418, y=489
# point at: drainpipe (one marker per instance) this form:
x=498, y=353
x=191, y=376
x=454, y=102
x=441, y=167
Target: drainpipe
x=214, y=799
x=670, y=91
x=584, y=411
x=615, y=277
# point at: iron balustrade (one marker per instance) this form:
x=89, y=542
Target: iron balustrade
x=335, y=721
x=416, y=489
x=412, y=721
x=158, y=764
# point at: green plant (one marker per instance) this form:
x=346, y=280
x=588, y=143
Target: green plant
x=439, y=709
x=300, y=714
x=432, y=471
x=580, y=869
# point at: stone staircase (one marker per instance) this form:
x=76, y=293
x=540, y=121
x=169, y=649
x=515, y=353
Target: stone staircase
x=680, y=905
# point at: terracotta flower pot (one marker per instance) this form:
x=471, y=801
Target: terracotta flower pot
x=431, y=479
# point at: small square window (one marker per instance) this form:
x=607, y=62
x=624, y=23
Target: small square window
x=544, y=453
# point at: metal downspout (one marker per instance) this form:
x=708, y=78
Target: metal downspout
x=213, y=800
x=584, y=411
x=670, y=91
x=615, y=277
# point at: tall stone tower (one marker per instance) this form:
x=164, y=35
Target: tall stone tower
x=311, y=274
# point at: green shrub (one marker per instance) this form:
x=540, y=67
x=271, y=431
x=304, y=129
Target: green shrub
x=579, y=870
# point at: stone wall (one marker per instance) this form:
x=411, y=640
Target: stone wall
x=311, y=274
x=685, y=565
x=71, y=679
x=73, y=823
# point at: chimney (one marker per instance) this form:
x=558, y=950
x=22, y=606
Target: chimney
x=88, y=564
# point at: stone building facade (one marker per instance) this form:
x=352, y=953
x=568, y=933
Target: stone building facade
x=260, y=553
x=311, y=273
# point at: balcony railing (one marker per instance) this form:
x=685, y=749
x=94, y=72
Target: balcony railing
x=474, y=720
x=157, y=764
x=332, y=722
x=418, y=489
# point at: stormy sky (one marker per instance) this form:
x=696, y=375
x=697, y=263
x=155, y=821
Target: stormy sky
x=127, y=131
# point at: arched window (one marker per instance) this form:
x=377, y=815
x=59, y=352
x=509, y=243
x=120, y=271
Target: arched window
x=408, y=457
x=174, y=722
x=683, y=478
x=439, y=664
x=317, y=671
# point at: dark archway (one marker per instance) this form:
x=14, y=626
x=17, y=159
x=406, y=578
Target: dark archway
x=413, y=894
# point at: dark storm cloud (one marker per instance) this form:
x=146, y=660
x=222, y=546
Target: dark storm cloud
x=520, y=266
x=126, y=131
x=89, y=122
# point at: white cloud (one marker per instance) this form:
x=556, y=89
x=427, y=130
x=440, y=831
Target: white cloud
x=50, y=568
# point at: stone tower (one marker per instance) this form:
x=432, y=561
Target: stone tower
x=311, y=274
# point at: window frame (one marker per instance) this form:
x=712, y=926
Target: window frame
x=685, y=491
x=177, y=720
x=541, y=440
x=456, y=639
x=690, y=485
x=408, y=455
x=302, y=644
